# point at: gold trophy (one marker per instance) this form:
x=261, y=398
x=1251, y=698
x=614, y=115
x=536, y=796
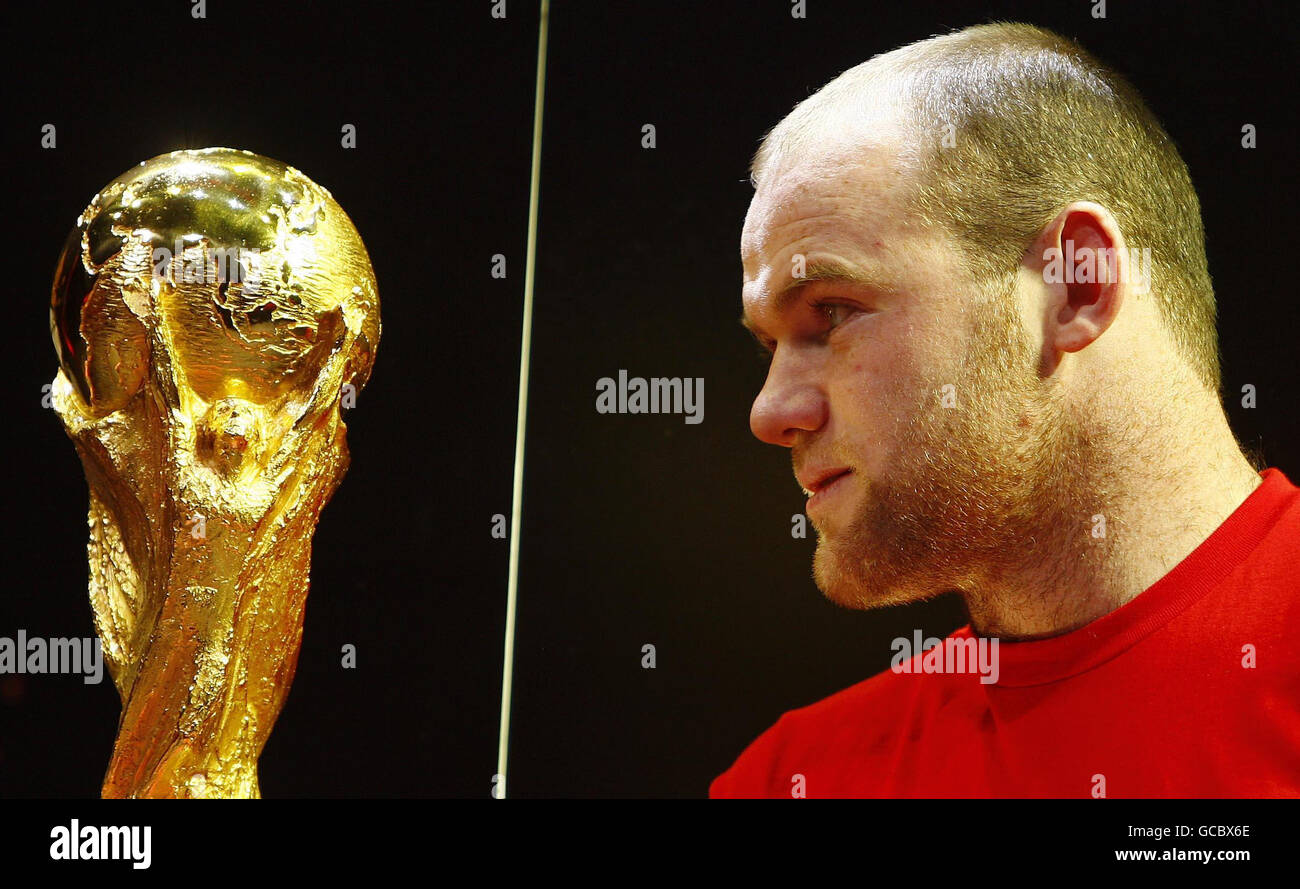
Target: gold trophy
x=213, y=311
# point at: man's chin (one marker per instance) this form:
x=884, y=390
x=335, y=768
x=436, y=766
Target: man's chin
x=857, y=581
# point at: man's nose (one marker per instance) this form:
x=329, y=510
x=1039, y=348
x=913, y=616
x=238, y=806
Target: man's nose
x=789, y=403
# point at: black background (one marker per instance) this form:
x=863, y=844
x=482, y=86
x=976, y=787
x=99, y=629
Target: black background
x=637, y=529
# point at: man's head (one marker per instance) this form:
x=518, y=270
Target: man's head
x=923, y=346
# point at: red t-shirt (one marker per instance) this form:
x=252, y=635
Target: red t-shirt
x=1192, y=689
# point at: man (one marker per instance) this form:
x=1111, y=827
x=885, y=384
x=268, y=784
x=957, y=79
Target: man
x=978, y=265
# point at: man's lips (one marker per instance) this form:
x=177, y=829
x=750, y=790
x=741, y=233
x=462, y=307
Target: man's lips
x=816, y=480
x=824, y=488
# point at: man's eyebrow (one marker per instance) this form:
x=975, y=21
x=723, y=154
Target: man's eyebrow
x=821, y=271
x=834, y=272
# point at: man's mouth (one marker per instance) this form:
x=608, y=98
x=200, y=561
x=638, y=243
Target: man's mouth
x=814, y=482
x=820, y=486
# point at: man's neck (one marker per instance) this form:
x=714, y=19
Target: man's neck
x=1113, y=532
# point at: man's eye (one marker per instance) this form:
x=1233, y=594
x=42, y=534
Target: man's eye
x=835, y=313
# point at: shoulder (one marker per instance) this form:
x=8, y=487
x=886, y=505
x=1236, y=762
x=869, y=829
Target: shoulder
x=1265, y=554
x=864, y=717
x=1259, y=593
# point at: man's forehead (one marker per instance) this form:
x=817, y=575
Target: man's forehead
x=846, y=187
x=844, y=174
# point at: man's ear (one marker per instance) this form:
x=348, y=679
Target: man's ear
x=1083, y=263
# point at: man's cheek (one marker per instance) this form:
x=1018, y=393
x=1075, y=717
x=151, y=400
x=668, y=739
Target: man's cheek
x=862, y=420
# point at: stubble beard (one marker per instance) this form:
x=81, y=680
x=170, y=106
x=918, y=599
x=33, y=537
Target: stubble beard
x=970, y=491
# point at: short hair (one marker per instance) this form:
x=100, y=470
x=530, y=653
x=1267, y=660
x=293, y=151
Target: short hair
x=1034, y=122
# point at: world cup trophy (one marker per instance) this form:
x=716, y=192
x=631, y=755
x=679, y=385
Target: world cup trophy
x=213, y=312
